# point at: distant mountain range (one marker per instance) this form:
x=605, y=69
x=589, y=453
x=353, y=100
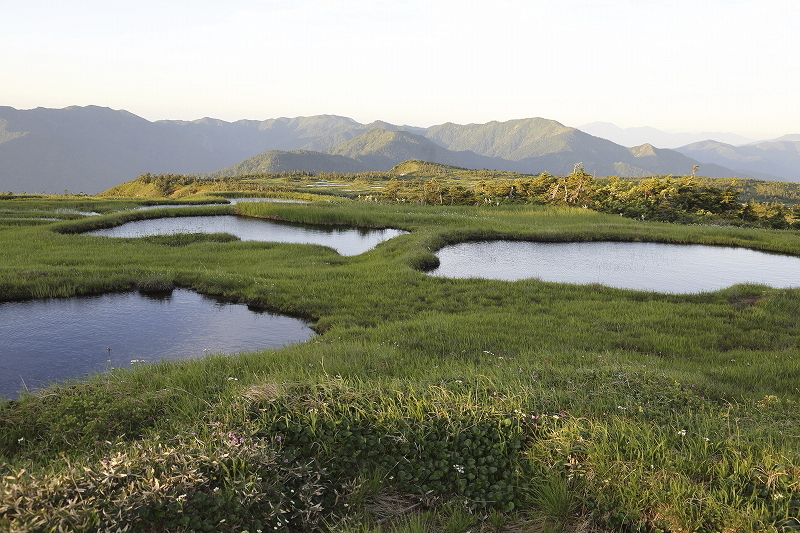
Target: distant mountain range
x=662, y=139
x=764, y=160
x=90, y=149
x=768, y=160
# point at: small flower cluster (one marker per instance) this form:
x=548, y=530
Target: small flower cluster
x=233, y=440
x=230, y=438
x=525, y=417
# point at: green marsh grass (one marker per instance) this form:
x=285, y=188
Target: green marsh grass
x=624, y=410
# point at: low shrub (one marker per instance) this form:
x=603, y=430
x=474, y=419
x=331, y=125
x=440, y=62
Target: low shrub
x=224, y=483
x=75, y=417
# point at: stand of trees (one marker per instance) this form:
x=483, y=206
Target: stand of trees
x=686, y=199
x=668, y=199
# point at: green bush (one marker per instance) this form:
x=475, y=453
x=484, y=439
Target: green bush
x=425, y=444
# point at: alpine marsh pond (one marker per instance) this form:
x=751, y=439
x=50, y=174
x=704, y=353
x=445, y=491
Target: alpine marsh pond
x=65, y=338
x=346, y=241
x=648, y=266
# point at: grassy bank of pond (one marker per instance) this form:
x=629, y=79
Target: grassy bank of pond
x=424, y=403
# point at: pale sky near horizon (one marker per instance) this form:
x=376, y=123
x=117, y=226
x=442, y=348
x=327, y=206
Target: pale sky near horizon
x=678, y=65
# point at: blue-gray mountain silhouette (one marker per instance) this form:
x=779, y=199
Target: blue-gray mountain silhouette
x=90, y=149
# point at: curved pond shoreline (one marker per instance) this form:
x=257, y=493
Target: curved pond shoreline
x=65, y=338
x=345, y=240
x=648, y=266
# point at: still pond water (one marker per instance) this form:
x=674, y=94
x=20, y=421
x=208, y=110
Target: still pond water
x=227, y=201
x=346, y=241
x=55, y=339
x=664, y=268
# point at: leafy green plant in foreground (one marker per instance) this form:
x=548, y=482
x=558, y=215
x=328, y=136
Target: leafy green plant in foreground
x=221, y=483
x=470, y=436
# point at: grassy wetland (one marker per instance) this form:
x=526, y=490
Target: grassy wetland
x=424, y=404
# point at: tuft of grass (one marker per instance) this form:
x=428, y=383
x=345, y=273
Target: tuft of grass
x=454, y=517
x=553, y=497
x=412, y=523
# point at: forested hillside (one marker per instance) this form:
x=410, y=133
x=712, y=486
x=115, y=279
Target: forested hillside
x=682, y=199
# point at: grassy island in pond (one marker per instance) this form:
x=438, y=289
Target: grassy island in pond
x=424, y=403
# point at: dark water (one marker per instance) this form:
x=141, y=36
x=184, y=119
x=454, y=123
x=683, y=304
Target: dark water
x=48, y=340
x=344, y=241
x=666, y=268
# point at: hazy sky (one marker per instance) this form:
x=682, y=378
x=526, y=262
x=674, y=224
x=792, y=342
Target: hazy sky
x=677, y=65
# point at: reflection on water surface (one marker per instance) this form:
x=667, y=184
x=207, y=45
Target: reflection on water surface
x=346, y=241
x=54, y=339
x=666, y=268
